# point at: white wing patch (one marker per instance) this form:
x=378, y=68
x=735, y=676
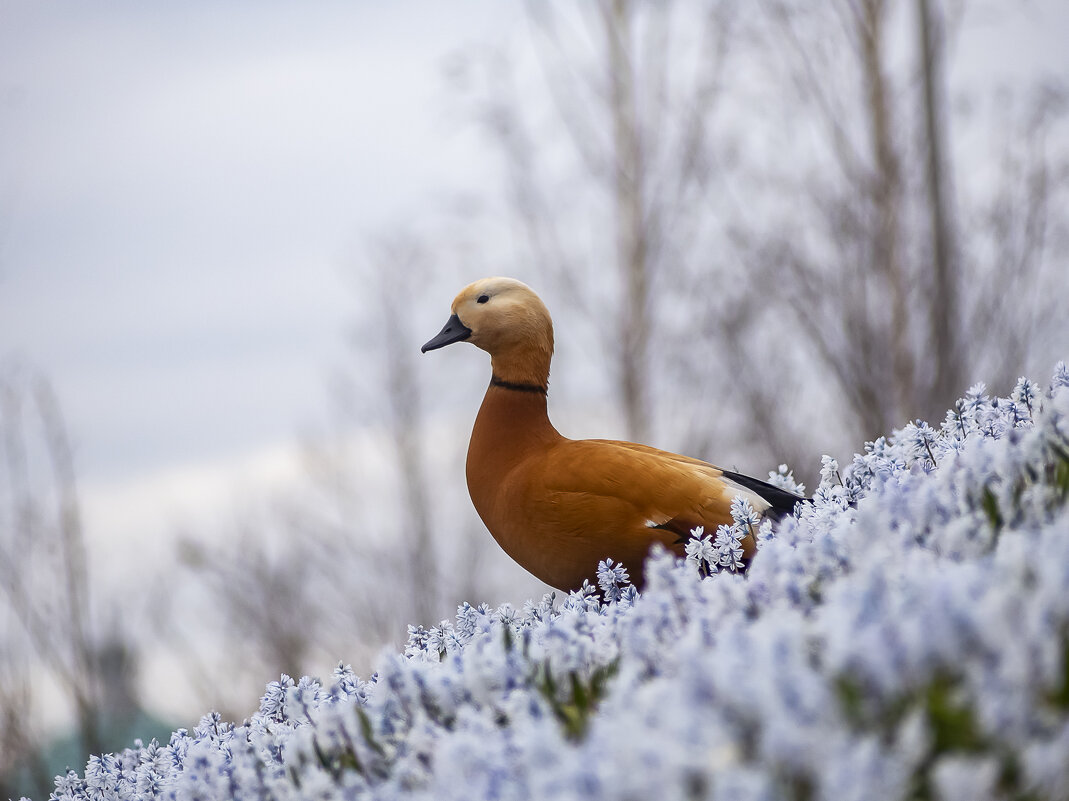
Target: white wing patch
x=732, y=489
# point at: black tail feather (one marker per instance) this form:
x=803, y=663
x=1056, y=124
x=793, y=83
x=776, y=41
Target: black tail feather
x=781, y=502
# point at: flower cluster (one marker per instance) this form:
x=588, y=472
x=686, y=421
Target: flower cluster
x=904, y=635
x=724, y=551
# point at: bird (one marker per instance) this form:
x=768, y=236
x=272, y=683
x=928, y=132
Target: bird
x=559, y=506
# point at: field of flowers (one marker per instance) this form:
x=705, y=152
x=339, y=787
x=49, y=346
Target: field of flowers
x=905, y=636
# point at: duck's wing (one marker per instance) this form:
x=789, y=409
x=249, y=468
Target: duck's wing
x=648, y=449
x=641, y=486
x=777, y=502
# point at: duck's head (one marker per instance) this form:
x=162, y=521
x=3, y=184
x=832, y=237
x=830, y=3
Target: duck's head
x=508, y=320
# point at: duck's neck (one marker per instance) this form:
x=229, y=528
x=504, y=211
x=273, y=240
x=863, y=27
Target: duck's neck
x=525, y=365
x=513, y=423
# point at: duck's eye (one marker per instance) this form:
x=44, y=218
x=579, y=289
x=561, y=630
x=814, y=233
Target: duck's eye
x=483, y=299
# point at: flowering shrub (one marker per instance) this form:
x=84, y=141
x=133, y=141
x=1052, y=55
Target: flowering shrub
x=905, y=635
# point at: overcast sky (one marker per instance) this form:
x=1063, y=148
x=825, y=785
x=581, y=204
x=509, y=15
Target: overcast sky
x=179, y=183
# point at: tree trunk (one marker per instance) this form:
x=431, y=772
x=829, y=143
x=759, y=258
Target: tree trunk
x=632, y=244
x=943, y=299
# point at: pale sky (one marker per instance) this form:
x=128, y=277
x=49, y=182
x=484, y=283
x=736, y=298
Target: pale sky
x=182, y=186
x=179, y=185
x=180, y=182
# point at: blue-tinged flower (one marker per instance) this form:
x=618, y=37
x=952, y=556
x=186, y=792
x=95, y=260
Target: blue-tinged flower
x=213, y=726
x=582, y=600
x=783, y=477
x=453, y=640
x=923, y=442
x=1060, y=380
x=743, y=513
x=472, y=620
x=153, y=771
x=539, y=612
x=178, y=747
x=977, y=406
x=436, y=645
x=346, y=684
x=101, y=772
x=417, y=641
x=701, y=553
x=1026, y=396
x=69, y=785
x=728, y=548
x=273, y=702
x=612, y=579
x=830, y=477
x=506, y=613
x=628, y=596
x=305, y=698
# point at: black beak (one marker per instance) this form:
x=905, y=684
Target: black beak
x=454, y=331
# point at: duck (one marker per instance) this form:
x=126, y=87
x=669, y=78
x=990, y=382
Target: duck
x=559, y=506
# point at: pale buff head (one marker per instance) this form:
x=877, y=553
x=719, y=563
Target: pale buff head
x=508, y=320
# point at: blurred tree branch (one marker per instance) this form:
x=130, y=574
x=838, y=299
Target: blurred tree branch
x=896, y=302
x=839, y=260
x=633, y=89
x=394, y=255
x=340, y=566
x=44, y=572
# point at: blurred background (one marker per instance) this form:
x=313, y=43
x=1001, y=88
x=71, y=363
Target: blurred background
x=766, y=230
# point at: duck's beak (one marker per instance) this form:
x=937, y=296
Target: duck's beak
x=454, y=331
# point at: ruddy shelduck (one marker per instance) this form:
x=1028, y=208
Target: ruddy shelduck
x=558, y=506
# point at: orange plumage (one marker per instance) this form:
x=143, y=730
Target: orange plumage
x=559, y=506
